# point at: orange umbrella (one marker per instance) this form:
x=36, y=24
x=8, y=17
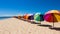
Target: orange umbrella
x=26, y=17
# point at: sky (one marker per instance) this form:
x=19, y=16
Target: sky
x=21, y=7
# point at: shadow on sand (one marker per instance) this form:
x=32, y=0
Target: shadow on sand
x=44, y=25
x=35, y=23
x=32, y=22
x=55, y=28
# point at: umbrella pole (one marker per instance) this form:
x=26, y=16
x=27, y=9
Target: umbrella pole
x=53, y=22
x=53, y=25
x=40, y=22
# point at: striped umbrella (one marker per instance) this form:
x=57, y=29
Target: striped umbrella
x=26, y=16
x=38, y=17
x=31, y=17
x=52, y=16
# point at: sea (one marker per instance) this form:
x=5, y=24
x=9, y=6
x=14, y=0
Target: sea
x=2, y=18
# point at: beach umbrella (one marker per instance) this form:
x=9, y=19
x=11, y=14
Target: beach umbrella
x=41, y=17
x=52, y=16
x=31, y=17
x=26, y=16
x=38, y=17
x=19, y=17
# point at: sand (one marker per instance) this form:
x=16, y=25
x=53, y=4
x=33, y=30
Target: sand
x=16, y=26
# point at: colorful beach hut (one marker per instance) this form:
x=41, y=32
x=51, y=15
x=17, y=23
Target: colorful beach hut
x=52, y=16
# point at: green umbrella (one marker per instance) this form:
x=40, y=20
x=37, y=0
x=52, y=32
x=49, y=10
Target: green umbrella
x=37, y=17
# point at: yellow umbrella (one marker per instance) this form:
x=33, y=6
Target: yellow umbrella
x=52, y=16
x=57, y=17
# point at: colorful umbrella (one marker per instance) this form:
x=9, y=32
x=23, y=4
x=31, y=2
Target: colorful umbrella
x=38, y=17
x=19, y=17
x=41, y=17
x=25, y=16
x=52, y=16
x=31, y=17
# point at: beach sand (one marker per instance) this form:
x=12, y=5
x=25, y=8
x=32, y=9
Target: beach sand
x=16, y=26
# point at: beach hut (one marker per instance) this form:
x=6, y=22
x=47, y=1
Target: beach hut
x=52, y=16
x=38, y=17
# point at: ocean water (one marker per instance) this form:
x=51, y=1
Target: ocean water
x=1, y=18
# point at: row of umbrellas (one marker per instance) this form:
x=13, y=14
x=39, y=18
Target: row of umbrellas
x=36, y=17
x=52, y=16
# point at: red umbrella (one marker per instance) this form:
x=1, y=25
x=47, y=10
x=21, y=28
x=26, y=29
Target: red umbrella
x=52, y=16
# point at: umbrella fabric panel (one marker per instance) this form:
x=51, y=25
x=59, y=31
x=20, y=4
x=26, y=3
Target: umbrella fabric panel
x=52, y=11
x=26, y=17
x=50, y=18
x=41, y=18
x=31, y=17
x=37, y=17
x=57, y=17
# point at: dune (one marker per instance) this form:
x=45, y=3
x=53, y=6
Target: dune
x=16, y=26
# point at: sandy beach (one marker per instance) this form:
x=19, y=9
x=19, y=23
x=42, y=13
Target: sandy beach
x=16, y=26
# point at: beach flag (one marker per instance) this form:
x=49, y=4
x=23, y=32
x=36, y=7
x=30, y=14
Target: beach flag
x=52, y=16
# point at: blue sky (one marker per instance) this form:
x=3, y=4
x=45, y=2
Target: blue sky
x=20, y=7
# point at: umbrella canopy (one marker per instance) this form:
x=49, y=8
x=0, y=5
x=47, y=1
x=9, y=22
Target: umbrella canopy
x=31, y=17
x=19, y=17
x=25, y=16
x=37, y=17
x=52, y=16
x=41, y=17
x=52, y=11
